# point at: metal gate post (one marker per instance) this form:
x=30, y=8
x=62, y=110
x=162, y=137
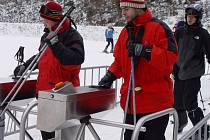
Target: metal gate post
x=24, y=118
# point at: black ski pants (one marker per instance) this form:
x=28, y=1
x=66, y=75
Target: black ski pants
x=185, y=99
x=109, y=40
x=186, y=93
x=155, y=129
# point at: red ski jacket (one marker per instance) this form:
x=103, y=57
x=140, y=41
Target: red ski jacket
x=152, y=76
x=61, y=62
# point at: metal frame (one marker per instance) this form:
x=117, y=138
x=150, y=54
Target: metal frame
x=97, y=71
x=196, y=130
x=24, y=119
x=88, y=120
x=83, y=72
x=17, y=122
x=140, y=123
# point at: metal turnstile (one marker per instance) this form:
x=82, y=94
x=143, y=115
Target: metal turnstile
x=62, y=111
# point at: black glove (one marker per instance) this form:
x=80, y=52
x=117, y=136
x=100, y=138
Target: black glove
x=53, y=41
x=107, y=80
x=140, y=50
x=19, y=70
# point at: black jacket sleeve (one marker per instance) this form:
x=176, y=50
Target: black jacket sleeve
x=207, y=45
x=70, y=49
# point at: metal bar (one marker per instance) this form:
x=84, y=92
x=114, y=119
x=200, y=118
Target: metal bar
x=99, y=74
x=84, y=77
x=115, y=124
x=147, y=118
x=15, y=114
x=193, y=130
x=133, y=91
x=93, y=132
x=95, y=67
x=126, y=105
x=92, y=77
x=21, y=109
x=176, y=124
x=8, y=123
x=84, y=68
x=17, y=123
x=24, y=118
x=17, y=131
x=81, y=131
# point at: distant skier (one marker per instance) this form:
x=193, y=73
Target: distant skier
x=63, y=58
x=109, y=38
x=194, y=43
x=151, y=45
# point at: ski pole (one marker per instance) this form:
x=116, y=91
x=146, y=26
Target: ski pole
x=131, y=86
x=126, y=105
x=204, y=109
x=19, y=84
x=133, y=91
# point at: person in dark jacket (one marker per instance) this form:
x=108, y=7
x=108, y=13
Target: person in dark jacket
x=194, y=43
x=179, y=24
x=65, y=53
x=109, y=38
x=150, y=42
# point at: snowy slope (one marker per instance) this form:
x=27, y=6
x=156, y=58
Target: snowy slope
x=12, y=38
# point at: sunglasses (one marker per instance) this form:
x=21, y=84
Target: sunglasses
x=46, y=11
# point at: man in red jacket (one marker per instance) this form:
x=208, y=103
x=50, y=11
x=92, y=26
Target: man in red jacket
x=151, y=44
x=63, y=58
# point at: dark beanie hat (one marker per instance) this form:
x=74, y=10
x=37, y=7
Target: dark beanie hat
x=51, y=11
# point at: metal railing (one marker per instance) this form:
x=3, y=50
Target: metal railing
x=88, y=76
x=196, y=132
x=24, y=119
x=12, y=121
x=138, y=128
x=143, y=120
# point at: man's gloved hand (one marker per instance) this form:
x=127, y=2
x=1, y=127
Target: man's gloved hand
x=53, y=41
x=140, y=50
x=19, y=70
x=107, y=80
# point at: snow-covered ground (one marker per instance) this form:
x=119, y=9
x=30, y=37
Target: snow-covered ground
x=94, y=44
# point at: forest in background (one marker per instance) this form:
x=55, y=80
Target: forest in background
x=94, y=12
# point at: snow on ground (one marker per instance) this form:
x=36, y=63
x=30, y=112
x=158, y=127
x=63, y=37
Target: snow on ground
x=94, y=44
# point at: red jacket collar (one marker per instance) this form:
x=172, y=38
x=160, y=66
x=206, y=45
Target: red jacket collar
x=143, y=18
